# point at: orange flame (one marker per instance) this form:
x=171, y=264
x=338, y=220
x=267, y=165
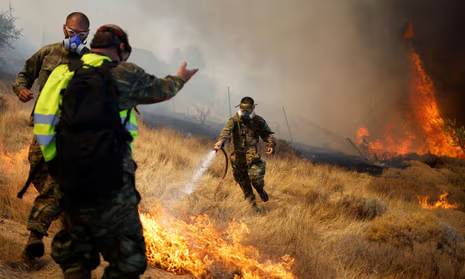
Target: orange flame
x=427, y=113
x=442, y=203
x=361, y=134
x=195, y=248
x=409, y=31
x=422, y=133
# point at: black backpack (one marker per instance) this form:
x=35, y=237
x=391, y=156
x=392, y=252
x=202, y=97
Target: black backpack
x=91, y=139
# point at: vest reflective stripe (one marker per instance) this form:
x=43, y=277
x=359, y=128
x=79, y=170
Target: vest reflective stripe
x=130, y=126
x=49, y=119
x=47, y=111
x=44, y=133
x=44, y=140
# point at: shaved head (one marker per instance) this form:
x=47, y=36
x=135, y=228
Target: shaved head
x=78, y=19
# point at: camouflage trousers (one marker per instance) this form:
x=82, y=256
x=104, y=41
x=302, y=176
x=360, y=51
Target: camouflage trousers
x=46, y=206
x=35, y=158
x=111, y=228
x=247, y=174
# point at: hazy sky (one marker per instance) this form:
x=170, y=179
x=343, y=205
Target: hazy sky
x=335, y=64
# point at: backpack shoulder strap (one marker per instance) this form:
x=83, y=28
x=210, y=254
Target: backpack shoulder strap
x=128, y=117
x=108, y=64
x=74, y=65
x=236, y=134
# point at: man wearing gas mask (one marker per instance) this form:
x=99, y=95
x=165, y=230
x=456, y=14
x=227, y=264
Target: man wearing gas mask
x=243, y=131
x=46, y=205
x=100, y=213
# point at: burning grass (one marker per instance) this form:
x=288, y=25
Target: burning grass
x=14, y=136
x=329, y=221
x=198, y=246
x=441, y=203
x=422, y=131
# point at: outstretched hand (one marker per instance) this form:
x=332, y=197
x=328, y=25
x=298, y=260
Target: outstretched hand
x=184, y=73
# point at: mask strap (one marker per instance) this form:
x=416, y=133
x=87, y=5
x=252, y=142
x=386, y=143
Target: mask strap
x=252, y=115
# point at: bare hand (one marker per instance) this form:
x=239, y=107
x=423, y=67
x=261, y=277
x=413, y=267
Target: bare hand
x=218, y=145
x=270, y=151
x=185, y=73
x=25, y=95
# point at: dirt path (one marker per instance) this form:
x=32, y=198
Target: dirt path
x=14, y=235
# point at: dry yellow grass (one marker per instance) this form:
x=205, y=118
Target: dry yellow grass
x=334, y=222
x=14, y=136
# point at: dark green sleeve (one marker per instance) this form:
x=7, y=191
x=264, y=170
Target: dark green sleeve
x=30, y=72
x=267, y=135
x=135, y=86
x=227, y=131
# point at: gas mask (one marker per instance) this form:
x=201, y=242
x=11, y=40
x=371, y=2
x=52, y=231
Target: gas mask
x=246, y=114
x=74, y=44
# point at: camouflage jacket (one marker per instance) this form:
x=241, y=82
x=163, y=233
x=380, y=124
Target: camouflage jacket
x=40, y=66
x=243, y=137
x=135, y=87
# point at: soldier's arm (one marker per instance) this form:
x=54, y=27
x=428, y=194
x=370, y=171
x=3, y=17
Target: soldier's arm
x=267, y=135
x=135, y=86
x=30, y=72
x=227, y=131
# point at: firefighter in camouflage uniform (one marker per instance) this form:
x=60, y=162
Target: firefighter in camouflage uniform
x=108, y=225
x=46, y=205
x=243, y=131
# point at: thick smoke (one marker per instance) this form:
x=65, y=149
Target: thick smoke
x=334, y=65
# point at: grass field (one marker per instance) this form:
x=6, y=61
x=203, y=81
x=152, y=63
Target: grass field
x=335, y=223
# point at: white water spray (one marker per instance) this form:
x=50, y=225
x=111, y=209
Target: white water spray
x=191, y=185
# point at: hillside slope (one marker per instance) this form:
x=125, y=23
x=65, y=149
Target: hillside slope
x=333, y=222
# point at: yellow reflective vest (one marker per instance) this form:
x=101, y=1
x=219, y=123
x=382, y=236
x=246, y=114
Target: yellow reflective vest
x=47, y=110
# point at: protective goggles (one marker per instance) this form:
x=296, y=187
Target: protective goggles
x=73, y=32
x=245, y=106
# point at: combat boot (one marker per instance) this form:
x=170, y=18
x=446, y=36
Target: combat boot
x=263, y=195
x=35, y=245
